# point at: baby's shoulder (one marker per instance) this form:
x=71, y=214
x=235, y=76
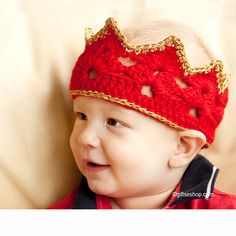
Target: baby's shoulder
x=223, y=200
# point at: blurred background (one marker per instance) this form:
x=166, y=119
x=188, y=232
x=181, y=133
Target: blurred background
x=39, y=44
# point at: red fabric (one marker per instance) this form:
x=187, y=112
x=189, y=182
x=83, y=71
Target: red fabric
x=103, y=202
x=110, y=77
x=219, y=200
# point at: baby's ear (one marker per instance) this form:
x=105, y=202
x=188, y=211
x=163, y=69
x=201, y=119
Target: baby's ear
x=189, y=144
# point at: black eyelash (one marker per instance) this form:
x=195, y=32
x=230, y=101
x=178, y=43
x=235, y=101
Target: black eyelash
x=112, y=122
x=81, y=115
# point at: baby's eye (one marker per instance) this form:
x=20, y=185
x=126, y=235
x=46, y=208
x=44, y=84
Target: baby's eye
x=113, y=122
x=81, y=116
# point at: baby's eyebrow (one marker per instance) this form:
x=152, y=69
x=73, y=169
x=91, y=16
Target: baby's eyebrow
x=108, y=108
x=76, y=108
x=124, y=114
x=119, y=109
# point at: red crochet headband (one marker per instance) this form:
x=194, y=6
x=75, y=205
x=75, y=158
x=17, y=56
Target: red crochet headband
x=154, y=79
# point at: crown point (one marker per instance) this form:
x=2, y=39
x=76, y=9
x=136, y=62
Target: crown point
x=88, y=35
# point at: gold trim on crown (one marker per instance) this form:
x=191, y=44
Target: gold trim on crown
x=173, y=41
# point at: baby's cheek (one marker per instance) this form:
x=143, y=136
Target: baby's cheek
x=72, y=141
x=74, y=146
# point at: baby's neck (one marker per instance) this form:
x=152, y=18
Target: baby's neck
x=156, y=201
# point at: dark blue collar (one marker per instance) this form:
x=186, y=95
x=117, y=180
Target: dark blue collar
x=85, y=198
x=198, y=180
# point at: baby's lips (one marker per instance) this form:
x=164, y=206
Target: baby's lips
x=96, y=164
x=96, y=168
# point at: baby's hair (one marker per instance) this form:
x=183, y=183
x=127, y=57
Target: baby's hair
x=155, y=31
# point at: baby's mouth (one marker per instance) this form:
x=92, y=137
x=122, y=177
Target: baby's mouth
x=93, y=164
x=95, y=167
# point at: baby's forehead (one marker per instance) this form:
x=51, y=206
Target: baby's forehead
x=99, y=103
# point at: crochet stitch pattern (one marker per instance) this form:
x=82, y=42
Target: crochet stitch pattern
x=180, y=96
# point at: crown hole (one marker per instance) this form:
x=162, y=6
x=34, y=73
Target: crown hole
x=92, y=74
x=204, y=91
x=147, y=90
x=126, y=61
x=194, y=112
x=217, y=100
x=180, y=82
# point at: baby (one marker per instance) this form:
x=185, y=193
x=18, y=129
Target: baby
x=144, y=111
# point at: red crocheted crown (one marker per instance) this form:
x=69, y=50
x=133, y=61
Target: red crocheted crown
x=154, y=79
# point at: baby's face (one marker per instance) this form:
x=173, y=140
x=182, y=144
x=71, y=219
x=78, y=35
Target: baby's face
x=121, y=152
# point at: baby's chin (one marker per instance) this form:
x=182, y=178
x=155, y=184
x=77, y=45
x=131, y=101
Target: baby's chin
x=99, y=188
x=106, y=190
x=115, y=193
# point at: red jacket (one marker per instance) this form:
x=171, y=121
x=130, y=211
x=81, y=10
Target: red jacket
x=195, y=191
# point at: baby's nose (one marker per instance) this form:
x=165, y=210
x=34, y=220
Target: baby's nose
x=89, y=136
